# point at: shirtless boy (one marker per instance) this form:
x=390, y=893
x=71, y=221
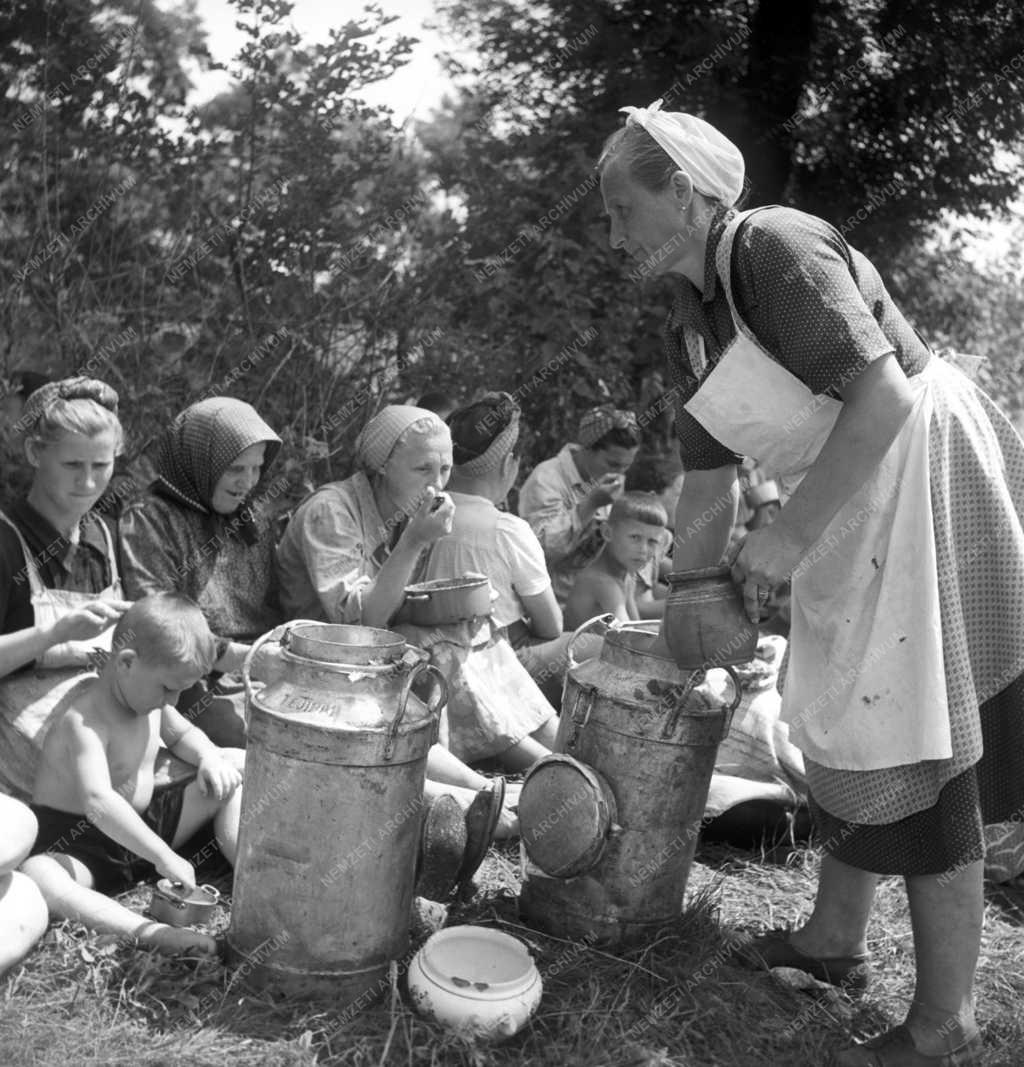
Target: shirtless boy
x=99, y=820
x=634, y=532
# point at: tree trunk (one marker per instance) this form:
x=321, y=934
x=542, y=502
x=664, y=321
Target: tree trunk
x=779, y=52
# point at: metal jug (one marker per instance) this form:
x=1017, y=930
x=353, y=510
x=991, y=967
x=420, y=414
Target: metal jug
x=705, y=622
x=332, y=808
x=610, y=822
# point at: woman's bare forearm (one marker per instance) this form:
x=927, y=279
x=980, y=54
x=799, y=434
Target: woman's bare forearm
x=876, y=405
x=705, y=517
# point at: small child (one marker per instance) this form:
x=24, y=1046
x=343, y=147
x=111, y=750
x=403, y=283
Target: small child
x=99, y=819
x=633, y=533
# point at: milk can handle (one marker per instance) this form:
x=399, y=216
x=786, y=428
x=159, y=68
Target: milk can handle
x=257, y=645
x=439, y=698
x=606, y=619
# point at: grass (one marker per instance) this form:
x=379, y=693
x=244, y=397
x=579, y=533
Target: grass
x=683, y=1000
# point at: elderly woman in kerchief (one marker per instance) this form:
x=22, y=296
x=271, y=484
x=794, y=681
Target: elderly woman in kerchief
x=902, y=536
x=202, y=529
x=565, y=498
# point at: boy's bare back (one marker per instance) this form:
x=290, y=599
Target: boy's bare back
x=93, y=743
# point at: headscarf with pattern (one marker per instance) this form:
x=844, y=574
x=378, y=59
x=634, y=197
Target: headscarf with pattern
x=499, y=406
x=200, y=445
x=382, y=433
x=599, y=421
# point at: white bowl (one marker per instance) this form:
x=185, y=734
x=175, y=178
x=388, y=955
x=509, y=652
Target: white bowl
x=480, y=982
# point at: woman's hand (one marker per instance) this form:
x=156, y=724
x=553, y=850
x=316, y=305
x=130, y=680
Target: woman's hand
x=765, y=559
x=606, y=490
x=431, y=520
x=89, y=621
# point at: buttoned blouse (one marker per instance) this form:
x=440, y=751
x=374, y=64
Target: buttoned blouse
x=815, y=304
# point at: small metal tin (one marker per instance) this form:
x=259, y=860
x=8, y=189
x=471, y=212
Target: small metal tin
x=171, y=904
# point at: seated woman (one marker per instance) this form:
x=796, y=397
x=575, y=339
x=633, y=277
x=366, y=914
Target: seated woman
x=353, y=546
x=201, y=529
x=487, y=445
x=60, y=593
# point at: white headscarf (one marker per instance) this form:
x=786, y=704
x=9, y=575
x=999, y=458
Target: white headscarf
x=712, y=162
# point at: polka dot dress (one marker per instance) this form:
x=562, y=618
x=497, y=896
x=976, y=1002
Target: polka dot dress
x=822, y=311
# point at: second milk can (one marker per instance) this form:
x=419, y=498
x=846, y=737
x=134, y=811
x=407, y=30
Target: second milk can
x=610, y=821
x=331, y=811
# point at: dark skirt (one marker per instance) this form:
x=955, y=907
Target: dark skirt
x=949, y=835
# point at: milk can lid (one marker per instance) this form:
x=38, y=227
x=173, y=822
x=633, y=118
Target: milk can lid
x=565, y=812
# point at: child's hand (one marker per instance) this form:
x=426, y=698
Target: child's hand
x=175, y=868
x=217, y=776
x=90, y=620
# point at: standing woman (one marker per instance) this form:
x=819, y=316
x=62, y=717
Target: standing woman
x=201, y=530
x=902, y=537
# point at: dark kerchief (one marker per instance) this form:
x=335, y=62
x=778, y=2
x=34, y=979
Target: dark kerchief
x=201, y=444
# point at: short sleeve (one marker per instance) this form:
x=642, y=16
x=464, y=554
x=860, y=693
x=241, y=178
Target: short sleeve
x=793, y=277
x=522, y=553
x=698, y=449
x=331, y=543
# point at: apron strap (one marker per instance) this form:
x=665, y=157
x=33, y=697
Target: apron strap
x=35, y=583
x=115, y=575
x=723, y=264
x=692, y=338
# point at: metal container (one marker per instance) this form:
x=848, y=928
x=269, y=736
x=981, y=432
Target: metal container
x=705, y=621
x=446, y=600
x=610, y=822
x=171, y=903
x=332, y=808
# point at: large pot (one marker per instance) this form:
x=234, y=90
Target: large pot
x=447, y=600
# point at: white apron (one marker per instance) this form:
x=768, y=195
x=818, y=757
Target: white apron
x=866, y=687
x=32, y=699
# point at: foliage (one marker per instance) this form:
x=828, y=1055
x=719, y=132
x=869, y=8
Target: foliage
x=283, y=243
x=882, y=118
x=173, y=251
x=973, y=307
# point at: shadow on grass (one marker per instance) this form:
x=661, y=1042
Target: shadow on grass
x=683, y=998
x=1008, y=898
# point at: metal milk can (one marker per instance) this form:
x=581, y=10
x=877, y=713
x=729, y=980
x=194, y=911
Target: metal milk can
x=332, y=808
x=610, y=821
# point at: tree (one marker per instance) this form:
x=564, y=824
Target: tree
x=863, y=114
x=272, y=245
